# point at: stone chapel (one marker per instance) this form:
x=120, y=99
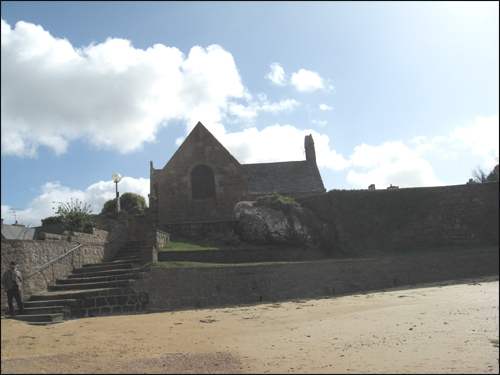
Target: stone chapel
x=202, y=182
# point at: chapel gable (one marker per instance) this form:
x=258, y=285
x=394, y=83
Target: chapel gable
x=202, y=182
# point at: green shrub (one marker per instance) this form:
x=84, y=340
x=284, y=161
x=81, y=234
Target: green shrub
x=228, y=238
x=277, y=202
x=131, y=203
x=52, y=220
x=75, y=217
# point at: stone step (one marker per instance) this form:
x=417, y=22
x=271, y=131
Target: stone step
x=104, y=273
x=128, y=251
x=94, y=279
x=94, y=289
x=113, y=262
x=79, y=294
x=131, y=258
x=135, y=246
x=134, y=260
x=73, y=303
x=132, y=248
x=92, y=285
x=104, y=267
x=43, y=310
x=41, y=318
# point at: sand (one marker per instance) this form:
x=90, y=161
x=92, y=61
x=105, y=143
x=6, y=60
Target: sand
x=433, y=328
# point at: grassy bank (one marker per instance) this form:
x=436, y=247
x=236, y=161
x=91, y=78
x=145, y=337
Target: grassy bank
x=186, y=244
x=363, y=255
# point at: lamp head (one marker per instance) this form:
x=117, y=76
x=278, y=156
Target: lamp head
x=116, y=178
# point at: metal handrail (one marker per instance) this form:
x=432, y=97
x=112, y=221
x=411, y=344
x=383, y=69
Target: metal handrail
x=51, y=262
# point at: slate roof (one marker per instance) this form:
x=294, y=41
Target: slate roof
x=14, y=232
x=284, y=177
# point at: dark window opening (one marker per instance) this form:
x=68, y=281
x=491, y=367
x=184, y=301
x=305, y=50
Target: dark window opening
x=202, y=182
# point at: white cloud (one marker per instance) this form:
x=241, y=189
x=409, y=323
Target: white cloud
x=482, y=137
x=392, y=163
x=271, y=144
x=244, y=113
x=325, y=107
x=283, y=105
x=250, y=112
x=397, y=164
x=95, y=196
x=409, y=172
x=423, y=145
x=280, y=143
x=110, y=94
x=276, y=75
x=306, y=80
x=319, y=122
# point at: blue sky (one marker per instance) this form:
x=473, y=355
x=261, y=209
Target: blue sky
x=393, y=93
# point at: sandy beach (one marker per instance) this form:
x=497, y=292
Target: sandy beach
x=433, y=328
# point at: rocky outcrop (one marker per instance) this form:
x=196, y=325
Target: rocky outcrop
x=293, y=225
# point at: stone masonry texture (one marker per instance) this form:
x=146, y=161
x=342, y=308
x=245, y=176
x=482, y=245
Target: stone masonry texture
x=402, y=219
x=185, y=288
x=174, y=203
x=29, y=254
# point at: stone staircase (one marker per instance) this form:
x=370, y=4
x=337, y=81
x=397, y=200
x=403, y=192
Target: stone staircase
x=93, y=290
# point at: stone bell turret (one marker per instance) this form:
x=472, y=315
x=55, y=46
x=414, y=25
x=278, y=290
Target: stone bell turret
x=309, y=147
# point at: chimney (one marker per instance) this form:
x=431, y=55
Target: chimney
x=309, y=146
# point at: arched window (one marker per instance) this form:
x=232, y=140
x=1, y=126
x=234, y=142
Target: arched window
x=202, y=182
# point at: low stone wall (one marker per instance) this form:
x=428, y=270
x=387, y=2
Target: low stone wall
x=185, y=288
x=155, y=239
x=101, y=302
x=29, y=254
x=110, y=303
x=240, y=256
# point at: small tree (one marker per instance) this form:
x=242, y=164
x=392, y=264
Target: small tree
x=494, y=175
x=75, y=217
x=52, y=220
x=479, y=176
x=131, y=203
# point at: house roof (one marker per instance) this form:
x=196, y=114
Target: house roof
x=285, y=177
x=15, y=232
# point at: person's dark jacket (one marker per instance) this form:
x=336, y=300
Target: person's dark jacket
x=10, y=280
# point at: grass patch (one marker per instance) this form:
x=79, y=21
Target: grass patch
x=496, y=342
x=177, y=264
x=365, y=255
x=186, y=244
x=277, y=202
x=368, y=254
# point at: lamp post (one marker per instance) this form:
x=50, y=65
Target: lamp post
x=116, y=178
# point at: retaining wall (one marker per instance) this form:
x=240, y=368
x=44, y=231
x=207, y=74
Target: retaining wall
x=185, y=288
x=240, y=256
x=29, y=254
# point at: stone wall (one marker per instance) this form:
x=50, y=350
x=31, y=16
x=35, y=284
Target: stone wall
x=185, y=288
x=29, y=254
x=140, y=224
x=401, y=219
x=155, y=240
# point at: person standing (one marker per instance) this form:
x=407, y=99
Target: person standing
x=11, y=280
